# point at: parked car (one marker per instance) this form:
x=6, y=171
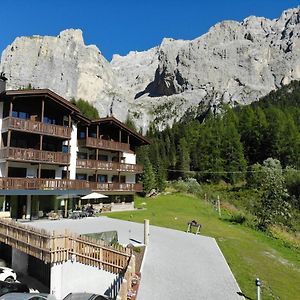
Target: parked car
x=25, y=296
x=7, y=274
x=12, y=287
x=85, y=296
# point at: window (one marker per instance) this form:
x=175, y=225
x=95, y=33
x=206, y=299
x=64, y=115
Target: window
x=81, y=135
x=102, y=178
x=65, y=149
x=49, y=120
x=64, y=174
x=48, y=174
x=82, y=155
x=103, y=157
x=81, y=176
x=20, y=114
x=4, y=204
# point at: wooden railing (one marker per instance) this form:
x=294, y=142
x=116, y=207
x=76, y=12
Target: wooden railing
x=57, y=248
x=108, y=166
x=104, y=144
x=127, y=278
x=116, y=187
x=33, y=155
x=14, y=183
x=36, y=127
x=17, y=183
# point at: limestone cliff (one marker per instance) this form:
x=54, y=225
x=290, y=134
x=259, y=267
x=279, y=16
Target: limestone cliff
x=235, y=62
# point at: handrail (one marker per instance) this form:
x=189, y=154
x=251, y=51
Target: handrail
x=23, y=154
x=57, y=248
x=108, y=166
x=105, y=144
x=17, y=183
x=36, y=127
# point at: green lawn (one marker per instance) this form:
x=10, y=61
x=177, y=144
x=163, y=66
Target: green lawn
x=250, y=254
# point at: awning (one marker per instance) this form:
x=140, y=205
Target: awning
x=94, y=195
x=43, y=192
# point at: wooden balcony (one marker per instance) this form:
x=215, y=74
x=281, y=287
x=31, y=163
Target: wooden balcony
x=36, y=127
x=14, y=183
x=90, y=142
x=32, y=155
x=116, y=187
x=108, y=166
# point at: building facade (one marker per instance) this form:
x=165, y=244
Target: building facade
x=49, y=153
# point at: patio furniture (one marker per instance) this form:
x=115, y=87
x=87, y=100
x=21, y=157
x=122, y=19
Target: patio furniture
x=192, y=224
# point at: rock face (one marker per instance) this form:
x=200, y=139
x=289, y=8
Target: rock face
x=232, y=63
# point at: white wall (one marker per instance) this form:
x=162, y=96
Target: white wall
x=1, y=118
x=2, y=168
x=75, y=277
x=73, y=152
x=130, y=158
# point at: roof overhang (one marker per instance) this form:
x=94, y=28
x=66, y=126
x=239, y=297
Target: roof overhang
x=43, y=92
x=113, y=120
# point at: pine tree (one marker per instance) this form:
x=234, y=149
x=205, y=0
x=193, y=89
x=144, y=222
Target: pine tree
x=183, y=158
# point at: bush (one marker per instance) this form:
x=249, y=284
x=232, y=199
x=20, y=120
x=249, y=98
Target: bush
x=238, y=218
x=189, y=185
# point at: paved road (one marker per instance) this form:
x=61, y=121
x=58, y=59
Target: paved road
x=177, y=265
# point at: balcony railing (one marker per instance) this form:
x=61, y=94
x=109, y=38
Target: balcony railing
x=104, y=144
x=32, y=155
x=108, y=166
x=14, y=183
x=36, y=127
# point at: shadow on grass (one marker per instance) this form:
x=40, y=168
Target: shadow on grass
x=243, y=295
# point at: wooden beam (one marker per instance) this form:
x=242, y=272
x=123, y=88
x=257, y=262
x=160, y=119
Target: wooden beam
x=120, y=135
x=11, y=107
x=43, y=110
x=68, y=166
x=8, y=138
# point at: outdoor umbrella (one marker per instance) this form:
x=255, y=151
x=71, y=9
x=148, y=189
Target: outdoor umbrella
x=93, y=195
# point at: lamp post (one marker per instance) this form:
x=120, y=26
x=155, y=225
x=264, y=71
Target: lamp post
x=258, y=284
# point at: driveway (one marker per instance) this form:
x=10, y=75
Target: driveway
x=177, y=265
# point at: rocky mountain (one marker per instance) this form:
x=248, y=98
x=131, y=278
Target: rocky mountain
x=235, y=62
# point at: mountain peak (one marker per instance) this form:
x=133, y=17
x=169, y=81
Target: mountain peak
x=235, y=62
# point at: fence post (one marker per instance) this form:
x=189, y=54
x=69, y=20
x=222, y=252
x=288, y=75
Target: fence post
x=146, y=232
x=257, y=283
x=219, y=206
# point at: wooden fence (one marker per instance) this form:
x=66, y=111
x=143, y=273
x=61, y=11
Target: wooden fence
x=59, y=247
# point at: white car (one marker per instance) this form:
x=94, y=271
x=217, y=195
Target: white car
x=7, y=274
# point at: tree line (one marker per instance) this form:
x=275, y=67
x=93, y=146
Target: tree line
x=225, y=145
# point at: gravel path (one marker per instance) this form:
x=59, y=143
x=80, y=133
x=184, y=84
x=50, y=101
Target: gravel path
x=177, y=265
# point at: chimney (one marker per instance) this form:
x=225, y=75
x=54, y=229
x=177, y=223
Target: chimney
x=2, y=82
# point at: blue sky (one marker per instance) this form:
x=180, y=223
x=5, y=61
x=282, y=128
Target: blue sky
x=119, y=26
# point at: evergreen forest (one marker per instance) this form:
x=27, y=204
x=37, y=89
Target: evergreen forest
x=242, y=146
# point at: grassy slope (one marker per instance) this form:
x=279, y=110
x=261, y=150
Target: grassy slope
x=250, y=254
